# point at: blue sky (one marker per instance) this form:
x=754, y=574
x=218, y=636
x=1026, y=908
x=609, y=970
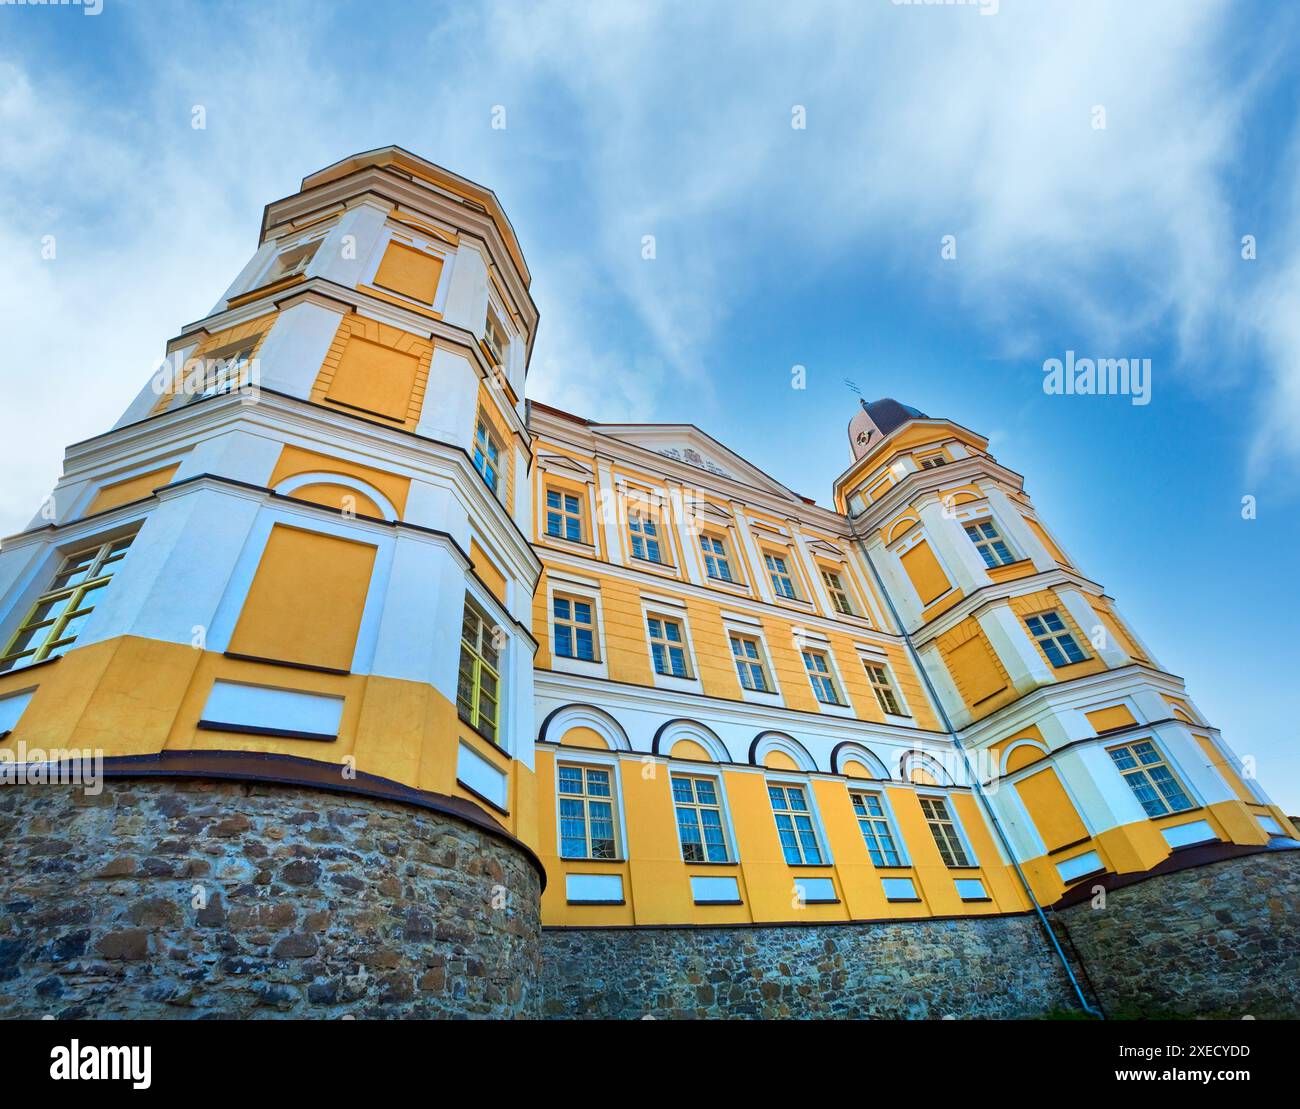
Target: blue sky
x=775, y=246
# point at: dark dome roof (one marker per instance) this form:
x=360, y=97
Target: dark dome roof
x=888, y=413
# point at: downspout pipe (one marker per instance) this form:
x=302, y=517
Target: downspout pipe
x=975, y=781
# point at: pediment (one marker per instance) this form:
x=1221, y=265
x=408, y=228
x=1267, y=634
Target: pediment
x=687, y=444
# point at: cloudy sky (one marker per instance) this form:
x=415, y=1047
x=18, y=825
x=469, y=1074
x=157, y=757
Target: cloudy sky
x=1097, y=164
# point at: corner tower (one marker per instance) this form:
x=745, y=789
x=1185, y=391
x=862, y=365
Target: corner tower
x=300, y=554
x=1094, y=757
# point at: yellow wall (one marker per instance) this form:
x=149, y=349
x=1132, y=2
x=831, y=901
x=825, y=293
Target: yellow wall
x=305, y=603
x=376, y=370
x=131, y=489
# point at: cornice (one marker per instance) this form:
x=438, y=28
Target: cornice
x=557, y=684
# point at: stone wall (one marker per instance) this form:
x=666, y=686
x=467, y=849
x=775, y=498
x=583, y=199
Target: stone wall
x=994, y=967
x=1216, y=940
x=163, y=898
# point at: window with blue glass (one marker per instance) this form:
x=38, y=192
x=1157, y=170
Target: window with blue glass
x=575, y=628
x=1150, y=778
x=644, y=534
x=667, y=647
x=699, y=820
x=794, y=825
x=586, y=813
x=782, y=583
x=1056, y=640
x=988, y=541
x=564, y=515
x=716, y=563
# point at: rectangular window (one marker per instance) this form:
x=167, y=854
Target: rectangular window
x=486, y=454
x=1150, y=778
x=575, y=630
x=782, y=583
x=667, y=647
x=819, y=673
x=870, y=811
x=878, y=676
x=62, y=610
x=944, y=830
x=494, y=338
x=699, y=820
x=293, y=261
x=749, y=663
x=839, y=595
x=564, y=515
x=586, y=812
x=715, y=558
x=644, y=533
x=794, y=824
x=478, y=685
x=930, y=461
x=990, y=544
x=1057, y=642
x=227, y=369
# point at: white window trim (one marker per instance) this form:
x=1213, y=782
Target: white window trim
x=569, y=587
x=584, y=756
x=435, y=248
x=979, y=511
x=714, y=773
x=282, y=246
x=787, y=555
x=662, y=609
x=587, y=516
x=1106, y=742
x=973, y=861
x=815, y=642
x=731, y=625
x=900, y=844
x=865, y=655
x=804, y=782
x=647, y=501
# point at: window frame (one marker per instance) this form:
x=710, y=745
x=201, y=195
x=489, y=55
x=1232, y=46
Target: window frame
x=804, y=789
x=890, y=686
x=698, y=807
x=785, y=573
x=586, y=767
x=1162, y=759
x=991, y=548
x=648, y=532
x=717, y=557
x=842, y=601
x=485, y=429
x=106, y=552
x=829, y=676
x=478, y=664
x=683, y=644
x=951, y=821
x=759, y=660
x=563, y=513
x=885, y=817
x=575, y=626
x=1051, y=638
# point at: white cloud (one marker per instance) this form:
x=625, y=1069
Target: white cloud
x=667, y=120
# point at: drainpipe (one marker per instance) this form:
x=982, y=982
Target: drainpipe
x=975, y=782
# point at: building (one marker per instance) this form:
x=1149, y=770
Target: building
x=681, y=694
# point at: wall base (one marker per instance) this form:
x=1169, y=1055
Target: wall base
x=1216, y=940
x=182, y=899
x=990, y=967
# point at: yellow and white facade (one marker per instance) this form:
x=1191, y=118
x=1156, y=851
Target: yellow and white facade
x=331, y=528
